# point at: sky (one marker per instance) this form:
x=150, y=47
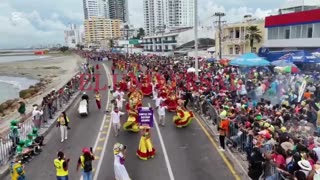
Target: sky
x=26, y=23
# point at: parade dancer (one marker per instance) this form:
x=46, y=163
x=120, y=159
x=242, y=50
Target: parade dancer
x=120, y=170
x=119, y=102
x=115, y=118
x=98, y=99
x=146, y=150
x=162, y=114
x=158, y=99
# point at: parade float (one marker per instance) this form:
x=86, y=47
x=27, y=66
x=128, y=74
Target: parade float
x=183, y=117
x=135, y=101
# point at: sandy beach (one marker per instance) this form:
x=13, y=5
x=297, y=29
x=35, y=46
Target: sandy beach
x=58, y=69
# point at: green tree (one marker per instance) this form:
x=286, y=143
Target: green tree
x=141, y=33
x=253, y=35
x=111, y=43
x=64, y=49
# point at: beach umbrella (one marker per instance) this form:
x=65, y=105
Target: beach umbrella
x=189, y=70
x=249, y=60
x=290, y=69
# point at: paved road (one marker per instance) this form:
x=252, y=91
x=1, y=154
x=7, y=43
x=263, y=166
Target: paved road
x=83, y=133
x=189, y=151
x=181, y=154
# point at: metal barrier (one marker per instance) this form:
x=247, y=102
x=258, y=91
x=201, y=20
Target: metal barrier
x=9, y=140
x=238, y=140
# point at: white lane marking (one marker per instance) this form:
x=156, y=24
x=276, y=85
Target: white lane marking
x=163, y=147
x=108, y=132
x=100, y=132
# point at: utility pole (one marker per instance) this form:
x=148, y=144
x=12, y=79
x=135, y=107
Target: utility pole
x=220, y=15
x=196, y=37
x=127, y=30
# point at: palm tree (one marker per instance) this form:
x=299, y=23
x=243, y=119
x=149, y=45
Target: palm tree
x=253, y=34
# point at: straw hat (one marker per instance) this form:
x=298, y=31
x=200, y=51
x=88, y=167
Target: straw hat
x=287, y=146
x=305, y=165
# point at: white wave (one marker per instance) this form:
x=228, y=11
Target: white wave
x=17, y=82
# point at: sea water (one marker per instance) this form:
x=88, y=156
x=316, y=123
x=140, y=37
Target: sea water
x=11, y=86
x=7, y=59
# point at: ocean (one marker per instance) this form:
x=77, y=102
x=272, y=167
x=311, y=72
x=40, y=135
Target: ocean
x=6, y=59
x=11, y=86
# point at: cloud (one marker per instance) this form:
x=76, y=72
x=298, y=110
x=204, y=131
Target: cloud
x=30, y=25
x=34, y=22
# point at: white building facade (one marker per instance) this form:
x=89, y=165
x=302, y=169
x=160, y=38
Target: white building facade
x=72, y=36
x=168, y=42
x=296, y=27
x=93, y=8
x=168, y=13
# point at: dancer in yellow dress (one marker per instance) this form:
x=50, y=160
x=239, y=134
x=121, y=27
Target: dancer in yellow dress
x=146, y=149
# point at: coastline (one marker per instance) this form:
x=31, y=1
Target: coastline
x=55, y=71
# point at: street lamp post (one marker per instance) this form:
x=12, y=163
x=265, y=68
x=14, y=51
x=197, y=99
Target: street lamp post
x=219, y=15
x=196, y=37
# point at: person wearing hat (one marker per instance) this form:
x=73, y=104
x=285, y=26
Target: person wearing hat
x=223, y=129
x=85, y=162
x=305, y=167
x=17, y=170
x=98, y=99
x=61, y=165
x=120, y=170
x=14, y=132
x=146, y=149
x=36, y=116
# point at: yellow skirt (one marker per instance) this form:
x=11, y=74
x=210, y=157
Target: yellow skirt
x=146, y=150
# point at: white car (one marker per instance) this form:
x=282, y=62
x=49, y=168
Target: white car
x=83, y=108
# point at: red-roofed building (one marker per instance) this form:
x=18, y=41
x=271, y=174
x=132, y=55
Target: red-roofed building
x=297, y=26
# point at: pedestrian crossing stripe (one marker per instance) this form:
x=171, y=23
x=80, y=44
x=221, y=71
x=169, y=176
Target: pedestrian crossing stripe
x=106, y=126
x=102, y=139
x=104, y=132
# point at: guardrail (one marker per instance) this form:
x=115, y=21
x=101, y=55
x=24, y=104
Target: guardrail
x=238, y=140
x=9, y=140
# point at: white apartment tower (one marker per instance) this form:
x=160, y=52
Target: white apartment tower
x=171, y=13
x=93, y=8
x=72, y=36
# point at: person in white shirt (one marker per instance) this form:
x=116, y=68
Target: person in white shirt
x=119, y=102
x=162, y=113
x=118, y=93
x=115, y=118
x=154, y=91
x=36, y=116
x=158, y=100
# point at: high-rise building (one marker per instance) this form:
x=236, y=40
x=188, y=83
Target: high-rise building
x=100, y=28
x=179, y=13
x=168, y=13
x=72, y=36
x=93, y=8
x=153, y=15
x=118, y=9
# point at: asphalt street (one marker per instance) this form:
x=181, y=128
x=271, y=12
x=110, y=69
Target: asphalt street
x=181, y=154
x=190, y=154
x=83, y=133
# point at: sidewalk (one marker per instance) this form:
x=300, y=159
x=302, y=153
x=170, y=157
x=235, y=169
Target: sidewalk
x=237, y=159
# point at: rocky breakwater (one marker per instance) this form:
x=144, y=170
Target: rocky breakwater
x=12, y=105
